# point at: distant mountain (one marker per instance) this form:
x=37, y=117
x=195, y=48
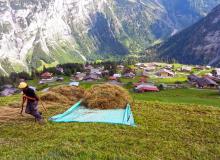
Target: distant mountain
x=198, y=44
x=38, y=32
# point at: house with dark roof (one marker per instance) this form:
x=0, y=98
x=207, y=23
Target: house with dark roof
x=202, y=82
x=129, y=75
x=91, y=77
x=193, y=78
x=206, y=82
x=60, y=69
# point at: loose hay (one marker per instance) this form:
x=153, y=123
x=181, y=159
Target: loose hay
x=14, y=105
x=107, y=96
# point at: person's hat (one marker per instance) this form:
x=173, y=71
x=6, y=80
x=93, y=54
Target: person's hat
x=22, y=85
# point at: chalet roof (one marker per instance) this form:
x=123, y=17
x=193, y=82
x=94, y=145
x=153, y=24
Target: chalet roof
x=147, y=87
x=206, y=81
x=89, y=67
x=216, y=79
x=166, y=71
x=149, y=68
x=129, y=74
x=96, y=70
x=80, y=75
x=117, y=75
x=186, y=68
x=193, y=77
x=46, y=74
x=91, y=76
x=120, y=66
x=218, y=71
x=112, y=78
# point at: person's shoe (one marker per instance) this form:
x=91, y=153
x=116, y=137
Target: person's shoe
x=41, y=121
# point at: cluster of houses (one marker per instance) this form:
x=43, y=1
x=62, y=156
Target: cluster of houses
x=92, y=73
x=157, y=68
x=143, y=70
x=208, y=81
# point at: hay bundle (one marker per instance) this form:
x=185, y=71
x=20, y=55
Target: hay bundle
x=63, y=94
x=70, y=92
x=54, y=97
x=106, y=96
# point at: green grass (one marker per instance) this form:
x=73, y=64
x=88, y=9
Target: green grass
x=162, y=132
x=171, y=124
x=9, y=100
x=183, y=96
x=173, y=80
x=134, y=80
x=203, y=72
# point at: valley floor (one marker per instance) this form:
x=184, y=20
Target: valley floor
x=171, y=124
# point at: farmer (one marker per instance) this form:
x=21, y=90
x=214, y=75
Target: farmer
x=32, y=99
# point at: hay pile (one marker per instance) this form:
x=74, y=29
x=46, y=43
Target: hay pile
x=54, y=97
x=106, y=96
x=69, y=91
x=63, y=94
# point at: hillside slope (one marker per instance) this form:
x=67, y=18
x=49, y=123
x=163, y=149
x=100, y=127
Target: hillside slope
x=198, y=44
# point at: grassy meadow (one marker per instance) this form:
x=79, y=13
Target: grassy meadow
x=171, y=124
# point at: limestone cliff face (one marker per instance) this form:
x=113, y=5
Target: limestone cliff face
x=35, y=32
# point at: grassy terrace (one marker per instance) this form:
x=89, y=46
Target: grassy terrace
x=171, y=124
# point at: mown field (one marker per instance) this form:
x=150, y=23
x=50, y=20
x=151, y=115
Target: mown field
x=171, y=124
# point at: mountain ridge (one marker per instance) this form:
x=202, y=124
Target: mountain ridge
x=198, y=44
x=37, y=32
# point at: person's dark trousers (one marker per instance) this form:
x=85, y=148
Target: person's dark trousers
x=32, y=109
